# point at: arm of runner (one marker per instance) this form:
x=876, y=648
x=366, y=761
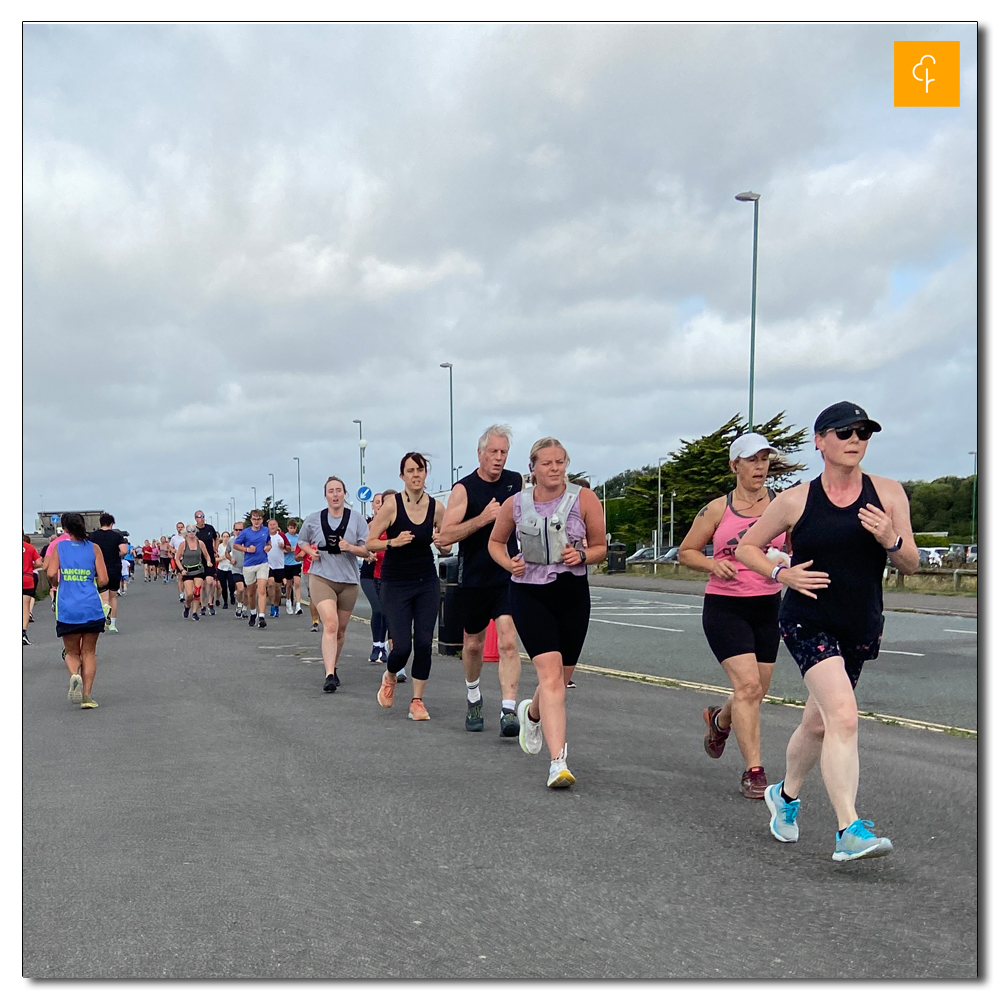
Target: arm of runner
x=781, y=515
x=123, y=549
x=361, y=551
x=497, y=545
x=202, y=546
x=891, y=523
x=440, y=514
x=454, y=528
x=379, y=523
x=100, y=569
x=597, y=542
x=51, y=564
x=700, y=533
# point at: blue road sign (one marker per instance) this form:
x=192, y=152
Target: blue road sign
x=364, y=493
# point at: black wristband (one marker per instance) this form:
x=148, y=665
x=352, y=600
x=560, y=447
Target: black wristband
x=898, y=545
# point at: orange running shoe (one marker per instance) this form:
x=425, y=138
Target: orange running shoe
x=418, y=711
x=387, y=692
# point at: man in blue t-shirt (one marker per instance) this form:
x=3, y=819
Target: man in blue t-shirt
x=255, y=542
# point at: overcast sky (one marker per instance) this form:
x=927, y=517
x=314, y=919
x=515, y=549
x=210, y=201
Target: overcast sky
x=239, y=239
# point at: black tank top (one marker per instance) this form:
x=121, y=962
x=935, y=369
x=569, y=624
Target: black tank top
x=476, y=567
x=414, y=560
x=834, y=538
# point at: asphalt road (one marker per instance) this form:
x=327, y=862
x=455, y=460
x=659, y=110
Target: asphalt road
x=220, y=816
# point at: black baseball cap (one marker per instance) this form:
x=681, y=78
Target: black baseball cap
x=842, y=415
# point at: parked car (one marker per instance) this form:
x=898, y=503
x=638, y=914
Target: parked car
x=670, y=556
x=972, y=554
x=642, y=555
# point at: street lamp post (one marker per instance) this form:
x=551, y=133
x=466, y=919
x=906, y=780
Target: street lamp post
x=362, y=444
x=271, y=474
x=659, y=508
x=673, y=493
x=975, y=483
x=755, y=198
x=254, y=488
x=298, y=481
x=451, y=415
x=234, y=509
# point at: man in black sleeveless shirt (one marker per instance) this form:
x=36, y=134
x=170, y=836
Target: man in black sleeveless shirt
x=473, y=506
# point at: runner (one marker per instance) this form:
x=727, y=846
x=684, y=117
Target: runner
x=549, y=592
x=224, y=571
x=278, y=545
x=165, y=555
x=841, y=524
x=383, y=654
x=313, y=610
x=410, y=591
x=740, y=611
x=255, y=542
x=155, y=555
x=30, y=561
x=370, y=587
x=77, y=564
x=126, y=571
x=236, y=557
x=113, y=546
x=147, y=560
x=176, y=541
x=483, y=585
x=193, y=558
x=208, y=535
x=293, y=570
x=333, y=539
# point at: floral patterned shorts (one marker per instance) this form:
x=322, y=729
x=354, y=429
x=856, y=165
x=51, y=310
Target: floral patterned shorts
x=809, y=645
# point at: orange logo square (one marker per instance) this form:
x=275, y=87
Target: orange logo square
x=926, y=75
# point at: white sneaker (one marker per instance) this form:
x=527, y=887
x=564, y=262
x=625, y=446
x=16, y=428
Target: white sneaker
x=530, y=736
x=560, y=776
x=288, y=607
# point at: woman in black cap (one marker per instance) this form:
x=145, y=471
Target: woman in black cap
x=842, y=525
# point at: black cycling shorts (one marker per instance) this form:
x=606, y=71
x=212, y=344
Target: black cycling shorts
x=735, y=626
x=480, y=605
x=552, y=617
x=809, y=645
x=276, y=574
x=293, y=571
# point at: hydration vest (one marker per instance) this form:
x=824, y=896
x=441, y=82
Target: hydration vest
x=544, y=538
x=332, y=536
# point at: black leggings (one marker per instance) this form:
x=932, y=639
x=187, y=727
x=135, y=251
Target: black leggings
x=411, y=608
x=227, y=584
x=370, y=586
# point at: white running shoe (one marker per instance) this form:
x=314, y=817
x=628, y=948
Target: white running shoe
x=288, y=607
x=560, y=776
x=530, y=736
x=75, y=689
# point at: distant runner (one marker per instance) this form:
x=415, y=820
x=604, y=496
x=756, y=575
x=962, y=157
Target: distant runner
x=113, y=546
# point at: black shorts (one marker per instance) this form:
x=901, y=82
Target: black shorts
x=293, y=571
x=552, y=617
x=78, y=628
x=114, y=583
x=809, y=645
x=480, y=605
x=194, y=577
x=210, y=571
x=735, y=626
x=276, y=574
x=164, y=564
x=28, y=592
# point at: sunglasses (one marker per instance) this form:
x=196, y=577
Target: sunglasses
x=844, y=433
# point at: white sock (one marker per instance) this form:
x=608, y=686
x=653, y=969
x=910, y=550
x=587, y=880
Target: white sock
x=472, y=691
x=298, y=606
x=508, y=704
x=113, y=620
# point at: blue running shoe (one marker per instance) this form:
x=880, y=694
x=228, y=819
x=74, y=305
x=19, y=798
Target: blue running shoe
x=783, y=814
x=858, y=841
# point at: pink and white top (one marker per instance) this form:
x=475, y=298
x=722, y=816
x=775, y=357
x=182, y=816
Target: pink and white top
x=576, y=531
x=727, y=536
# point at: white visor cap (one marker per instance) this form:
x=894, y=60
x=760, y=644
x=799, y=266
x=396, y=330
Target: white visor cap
x=747, y=445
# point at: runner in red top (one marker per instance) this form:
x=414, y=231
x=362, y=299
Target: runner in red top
x=30, y=561
x=147, y=560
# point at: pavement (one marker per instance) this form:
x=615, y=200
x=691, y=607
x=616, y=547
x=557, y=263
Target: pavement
x=220, y=816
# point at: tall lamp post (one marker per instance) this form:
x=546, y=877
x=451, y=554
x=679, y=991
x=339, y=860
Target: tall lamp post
x=362, y=444
x=673, y=493
x=659, y=507
x=254, y=488
x=451, y=416
x=298, y=481
x=271, y=474
x=234, y=510
x=975, y=483
x=755, y=198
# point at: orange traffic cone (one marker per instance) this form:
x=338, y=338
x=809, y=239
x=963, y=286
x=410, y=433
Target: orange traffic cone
x=491, y=651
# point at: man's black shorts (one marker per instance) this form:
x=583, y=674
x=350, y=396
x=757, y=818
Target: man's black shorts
x=293, y=571
x=480, y=604
x=276, y=574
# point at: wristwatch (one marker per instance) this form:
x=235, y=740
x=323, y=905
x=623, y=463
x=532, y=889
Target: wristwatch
x=897, y=546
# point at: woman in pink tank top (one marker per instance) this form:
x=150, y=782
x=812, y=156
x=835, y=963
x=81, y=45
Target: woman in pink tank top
x=740, y=613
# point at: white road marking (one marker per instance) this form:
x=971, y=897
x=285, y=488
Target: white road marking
x=658, y=628
x=964, y=631
x=902, y=652
x=654, y=614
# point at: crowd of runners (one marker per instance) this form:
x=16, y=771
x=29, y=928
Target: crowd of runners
x=524, y=545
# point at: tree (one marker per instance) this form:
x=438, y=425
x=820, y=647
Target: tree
x=277, y=509
x=942, y=505
x=698, y=471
